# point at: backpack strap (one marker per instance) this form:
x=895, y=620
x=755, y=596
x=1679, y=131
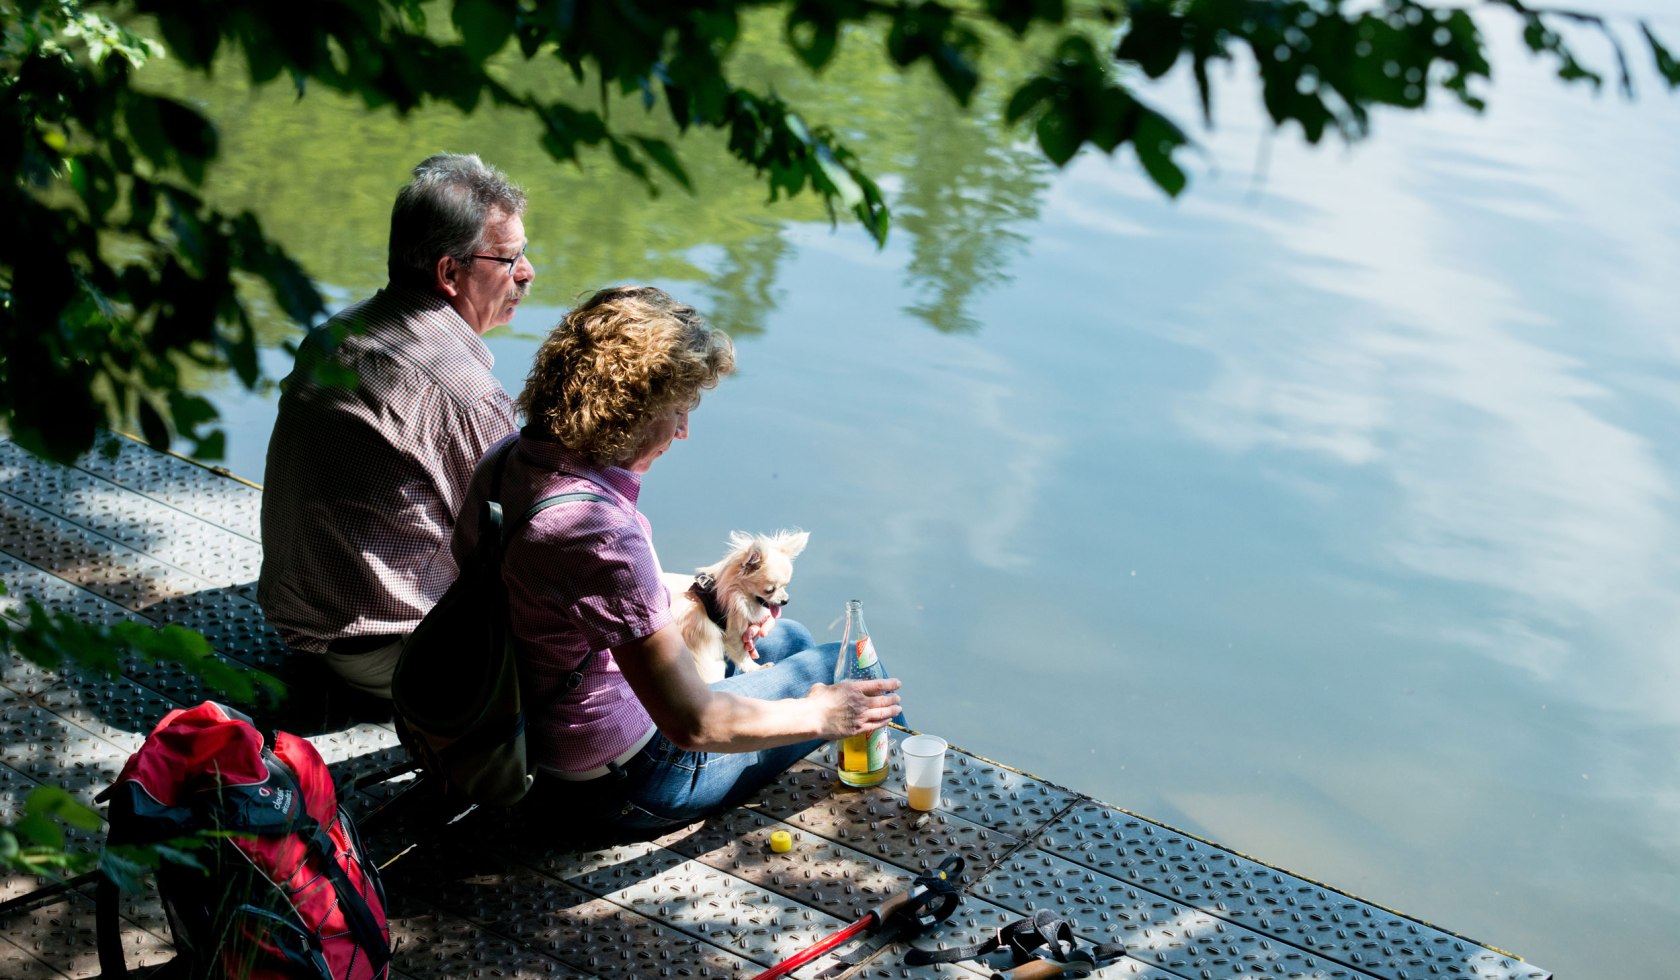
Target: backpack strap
x=364, y=925
x=493, y=528
x=1023, y=938
x=107, y=928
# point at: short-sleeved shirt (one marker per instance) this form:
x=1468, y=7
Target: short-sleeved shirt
x=363, y=483
x=582, y=578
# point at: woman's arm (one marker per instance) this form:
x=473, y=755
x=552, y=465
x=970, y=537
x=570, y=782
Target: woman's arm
x=698, y=719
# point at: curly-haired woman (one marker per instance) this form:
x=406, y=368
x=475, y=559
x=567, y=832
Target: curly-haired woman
x=623, y=725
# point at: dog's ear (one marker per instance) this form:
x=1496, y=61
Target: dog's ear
x=792, y=542
x=754, y=558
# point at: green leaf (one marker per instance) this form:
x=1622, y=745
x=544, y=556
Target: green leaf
x=485, y=26
x=1027, y=98
x=57, y=802
x=152, y=425
x=813, y=38
x=1667, y=66
x=665, y=158
x=145, y=128
x=1155, y=141
x=843, y=185
x=1060, y=133
x=1153, y=39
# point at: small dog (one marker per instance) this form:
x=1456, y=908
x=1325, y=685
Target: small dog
x=737, y=600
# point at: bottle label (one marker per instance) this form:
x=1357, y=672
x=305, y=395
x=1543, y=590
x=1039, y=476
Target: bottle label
x=865, y=653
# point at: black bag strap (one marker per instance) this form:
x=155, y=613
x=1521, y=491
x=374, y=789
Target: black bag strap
x=364, y=926
x=107, y=930
x=505, y=532
x=1041, y=935
x=494, y=532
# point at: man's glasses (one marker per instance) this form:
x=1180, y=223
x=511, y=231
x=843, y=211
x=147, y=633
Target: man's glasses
x=510, y=263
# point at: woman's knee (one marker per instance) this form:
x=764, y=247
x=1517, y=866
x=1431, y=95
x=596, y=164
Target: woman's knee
x=787, y=638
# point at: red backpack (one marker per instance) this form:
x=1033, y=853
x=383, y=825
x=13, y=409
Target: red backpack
x=287, y=892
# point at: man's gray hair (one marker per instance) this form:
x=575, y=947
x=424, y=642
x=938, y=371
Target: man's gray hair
x=442, y=211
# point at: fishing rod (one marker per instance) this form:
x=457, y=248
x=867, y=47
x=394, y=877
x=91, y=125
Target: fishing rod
x=931, y=898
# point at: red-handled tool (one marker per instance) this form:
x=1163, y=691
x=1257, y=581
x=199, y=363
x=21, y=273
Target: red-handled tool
x=931, y=898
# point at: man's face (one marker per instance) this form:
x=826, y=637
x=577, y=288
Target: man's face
x=481, y=289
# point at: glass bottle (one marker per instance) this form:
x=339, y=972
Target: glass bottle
x=863, y=758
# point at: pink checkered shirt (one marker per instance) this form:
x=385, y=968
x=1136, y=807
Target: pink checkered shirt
x=582, y=578
x=363, y=484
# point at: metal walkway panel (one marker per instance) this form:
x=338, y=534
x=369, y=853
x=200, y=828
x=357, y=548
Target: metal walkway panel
x=25, y=582
x=50, y=750
x=586, y=932
x=61, y=936
x=17, y=963
x=877, y=823
x=172, y=535
x=976, y=790
x=1243, y=891
x=90, y=560
x=440, y=946
x=712, y=906
x=168, y=479
x=1156, y=929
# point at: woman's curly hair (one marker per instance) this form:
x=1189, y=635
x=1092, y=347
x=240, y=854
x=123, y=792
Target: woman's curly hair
x=617, y=362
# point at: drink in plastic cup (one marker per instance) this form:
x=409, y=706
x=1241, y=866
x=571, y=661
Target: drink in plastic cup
x=924, y=769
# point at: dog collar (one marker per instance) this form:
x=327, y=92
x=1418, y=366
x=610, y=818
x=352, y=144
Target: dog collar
x=704, y=591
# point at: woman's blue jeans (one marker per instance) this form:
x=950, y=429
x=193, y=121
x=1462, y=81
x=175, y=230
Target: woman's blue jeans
x=667, y=786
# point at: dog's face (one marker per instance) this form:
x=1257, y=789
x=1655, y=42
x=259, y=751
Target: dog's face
x=763, y=565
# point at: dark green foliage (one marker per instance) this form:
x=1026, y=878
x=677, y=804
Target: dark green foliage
x=118, y=274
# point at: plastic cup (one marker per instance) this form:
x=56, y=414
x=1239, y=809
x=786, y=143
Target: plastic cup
x=924, y=769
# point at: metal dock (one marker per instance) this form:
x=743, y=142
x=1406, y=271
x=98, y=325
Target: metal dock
x=135, y=534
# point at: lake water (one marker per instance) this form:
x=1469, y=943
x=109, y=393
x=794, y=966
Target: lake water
x=1329, y=512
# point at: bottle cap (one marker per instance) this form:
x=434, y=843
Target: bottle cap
x=781, y=842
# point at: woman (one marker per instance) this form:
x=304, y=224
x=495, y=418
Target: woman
x=620, y=720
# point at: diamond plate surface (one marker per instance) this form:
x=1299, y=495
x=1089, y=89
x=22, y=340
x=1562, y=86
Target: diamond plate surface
x=168, y=533
x=61, y=937
x=1157, y=930
x=1237, y=889
x=232, y=623
x=711, y=905
x=119, y=710
x=25, y=582
x=976, y=789
x=50, y=750
x=878, y=823
x=17, y=964
x=848, y=884
x=89, y=560
x=816, y=872
x=436, y=946
x=599, y=937
x=179, y=483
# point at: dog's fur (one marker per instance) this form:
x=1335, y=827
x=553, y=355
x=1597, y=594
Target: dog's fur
x=750, y=587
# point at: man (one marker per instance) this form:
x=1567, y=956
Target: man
x=364, y=479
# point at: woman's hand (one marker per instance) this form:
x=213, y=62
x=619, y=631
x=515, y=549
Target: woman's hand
x=854, y=707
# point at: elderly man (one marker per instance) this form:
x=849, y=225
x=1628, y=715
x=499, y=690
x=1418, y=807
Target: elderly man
x=365, y=478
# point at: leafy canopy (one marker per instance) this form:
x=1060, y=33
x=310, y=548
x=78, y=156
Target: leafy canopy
x=117, y=273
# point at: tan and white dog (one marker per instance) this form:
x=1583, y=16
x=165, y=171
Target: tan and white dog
x=735, y=602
